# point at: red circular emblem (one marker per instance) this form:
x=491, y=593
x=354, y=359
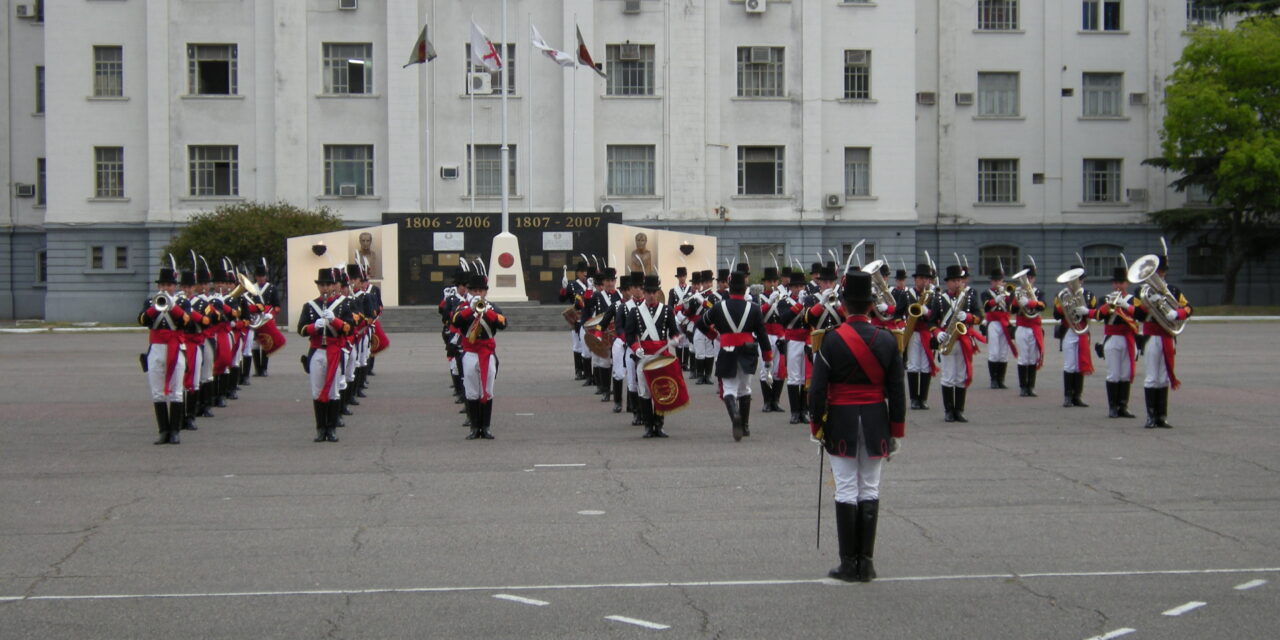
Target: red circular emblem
x=506, y=260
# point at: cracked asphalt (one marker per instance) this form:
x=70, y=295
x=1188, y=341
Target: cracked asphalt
x=1030, y=521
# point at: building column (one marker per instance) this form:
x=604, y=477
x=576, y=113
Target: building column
x=408, y=140
x=292, y=61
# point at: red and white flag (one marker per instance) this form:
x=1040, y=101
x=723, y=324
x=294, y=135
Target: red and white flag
x=584, y=56
x=483, y=52
x=559, y=57
x=423, y=52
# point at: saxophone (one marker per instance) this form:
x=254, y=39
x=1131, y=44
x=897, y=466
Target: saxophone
x=954, y=329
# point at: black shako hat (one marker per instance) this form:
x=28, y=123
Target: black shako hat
x=625, y=282
x=608, y=273
x=355, y=272
x=923, y=271
x=954, y=272
x=815, y=268
x=827, y=273
x=743, y=268
x=325, y=276
x=796, y=279
x=786, y=272
x=188, y=279
x=770, y=273
x=696, y=278
x=1119, y=274
x=900, y=275
x=460, y=277
x=738, y=280
x=167, y=276
x=478, y=283
x=637, y=278
x=652, y=283
x=581, y=266
x=708, y=275
x=682, y=272
x=884, y=270
x=1031, y=270
x=857, y=287
x=997, y=274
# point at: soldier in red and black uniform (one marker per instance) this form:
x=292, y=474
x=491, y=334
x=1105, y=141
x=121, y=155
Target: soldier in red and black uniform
x=771, y=383
x=193, y=340
x=1119, y=346
x=270, y=298
x=1077, y=360
x=743, y=342
x=919, y=350
x=1029, y=336
x=479, y=322
x=859, y=410
x=166, y=316
x=957, y=366
x=996, y=302
x=570, y=292
x=326, y=320
x=650, y=328
x=795, y=334
x=454, y=297
x=1158, y=353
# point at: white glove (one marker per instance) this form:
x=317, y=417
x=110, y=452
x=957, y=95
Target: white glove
x=961, y=316
x=320, y=324
x=564, y=282
x=1172, y=315
x=327, y=315
x=640, y=352
x=1082, y=311
x=882, y=308
x=1022, y=301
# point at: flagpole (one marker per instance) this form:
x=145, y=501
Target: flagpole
x=573, y=140
x=506, y=151
x=471, y=149
x=528, y=114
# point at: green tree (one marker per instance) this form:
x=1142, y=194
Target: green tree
x=1222, y=134
x=1242, y=6
x=247, y=232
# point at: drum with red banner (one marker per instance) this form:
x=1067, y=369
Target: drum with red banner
x=379, y=340
x=666, y=385
x=269, y=337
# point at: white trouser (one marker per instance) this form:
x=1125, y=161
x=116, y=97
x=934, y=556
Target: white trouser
x=738, y=385
x=156, y=356
x=635, y=379
x=768, y=369
x=795, y=362
x=1116, y=348
x=703, y=347
x=1028, y=351
x=954, y=370
x=1153, y=362
x=250, y=342
x=997, y=346
x=580, y=345
x=858, y=478
x=349, y=368
x=206, y=362
x=236, y=354
x=602, y=363
x=1071, y=346
x=319, y=364
x=471, y=375
x=196, y=354
x=575, y=341
x=619, y=359
x=917, y=361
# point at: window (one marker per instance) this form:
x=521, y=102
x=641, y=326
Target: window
x=1101, y=15
x=1198, y=194
x=868, y=253
x=42, y=266
x=495, y=76
x=997, y=180
x=42, y=186
x=95, y=256
x=762, y=255
x=857, y=74
x=348, y=68
x=997, y=94
x=998, y=15
x=1101, y=180
x=349, y=166
x=211, y=69
x=108, y=165
x=1102, y=94
x=1205, y=259
x=857, y=171
x=39, y=10
x=40, y=89
x=760, y=72
x=629, y=68
x=108, y=71
x=122, y=258
x=488, y=170
x=631, y=170
x=214, y=170
x=1199, y=15
x=760, y=171
x=1100, y=260
x=998, y=256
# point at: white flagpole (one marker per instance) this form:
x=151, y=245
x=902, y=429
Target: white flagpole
x=573, y=140
x=471, y=150
x=506, y=151
x=528, y=114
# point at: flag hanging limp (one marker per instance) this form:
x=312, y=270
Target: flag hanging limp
x=584, y=56
x=422, y=50
x=559, y=57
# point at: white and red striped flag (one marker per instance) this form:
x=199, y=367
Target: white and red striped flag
x=584, y=56
x=483, y=52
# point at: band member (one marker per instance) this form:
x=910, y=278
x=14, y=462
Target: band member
x=599, y=303
x=454, y=297
x=824, y=310
x=813, y=288
x=166, y=316
x=192, y=341
x=1077, y=359
x=616, y=317
x=1159, y=351
x=270, y=297
x=771, y=379
x=584, y=305
x=920, y=366
x=795, y=334
x=570, y=291
x=955, y=306
x=996, y=302
x=650, y=329
x=203, y=302
x=1029, y=336
x=900, y=280
x=675, y=296
x=479, y=321
x=859, y=412
x=704, y=346
x=740, y=328
x=1119, y=345
x=326, y=320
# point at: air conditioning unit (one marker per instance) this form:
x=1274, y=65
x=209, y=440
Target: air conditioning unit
x=760, y=55
x=964, y=99
x=856, y=56
x=347, y=190
x=449, y=172
x=755, y=6
x=631, y=6
x=926, y=97
x=480, y=83
x=24, y=11
x=348, y=5
x=1135, y=195
x=1137, y=99
x=833, y=201
x=1068, y=92
x=629, y=52
x=607, y=208
x=24, y=190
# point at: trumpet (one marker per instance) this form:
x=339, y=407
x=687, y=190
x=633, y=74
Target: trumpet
x=478, y=305
x=1155, y=294
x=953, y=328
x=162, y=302
x=1114, y=301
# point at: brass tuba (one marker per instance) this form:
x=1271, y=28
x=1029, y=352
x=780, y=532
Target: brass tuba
x=1071, y=298
x=1028, y=291
x=879, y=289
x=1155, y=294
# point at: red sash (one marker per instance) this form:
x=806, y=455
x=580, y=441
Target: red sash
x=171, y=339
x=1130, y=344
x=1084, y=355
x=1166, y=345
x=193, y=341
x=925, y=334
x=333, y=357
x=483, y=349
x=840, y=393
x=862, y=353
x=966, y=350
x=1002, y=318
x=735, y=339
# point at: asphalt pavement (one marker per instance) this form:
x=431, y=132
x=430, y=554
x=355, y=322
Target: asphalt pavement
x=1031, y=521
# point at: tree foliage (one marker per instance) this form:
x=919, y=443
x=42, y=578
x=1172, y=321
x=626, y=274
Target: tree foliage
x=247, y=232
x=1222, y=134
x=1243, y=6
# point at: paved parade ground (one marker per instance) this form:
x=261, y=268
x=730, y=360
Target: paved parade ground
x=1031, y=521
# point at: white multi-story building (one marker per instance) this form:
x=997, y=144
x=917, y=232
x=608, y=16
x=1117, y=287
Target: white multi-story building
x=784, y=127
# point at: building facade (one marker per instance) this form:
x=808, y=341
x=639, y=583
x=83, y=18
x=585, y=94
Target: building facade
x=789, y=129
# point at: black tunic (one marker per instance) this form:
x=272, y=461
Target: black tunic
x=731, y=359
x=879, y=420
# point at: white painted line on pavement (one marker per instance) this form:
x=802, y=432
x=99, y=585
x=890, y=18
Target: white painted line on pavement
x=1114, y=634
x=507, y=596
x=1181, y=609
x=639, y=623
x=564, y=464
x=590, y=512
x=1250, y=584
x=637, y=585
x=524, y=414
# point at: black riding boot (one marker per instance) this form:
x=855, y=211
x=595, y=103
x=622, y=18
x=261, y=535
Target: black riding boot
x=1122, y=399
x=176, y=413
x=362, y=381
x=606, y=391
x=459, y=393
x=617, y=396
x=577, y=366
x=948, y=403
x=644, y=413
x=847, y=537
x=246, y=367
x=793, y=395
x=589, y=372
x=1031, y=380
x=658, y=422
x=334, y=421
x=266, y=361
x=473, y=418
x=219, y=399
x=637, y=404
x=321, y=419
x=1003, y=368
x=993, y=370
x=1153, y=409
x=1113, y=405
x=958, y=395
x=1068, y=388
x=913, y=389
x=189, y=411
x=766, y=390
x=344, y=399
x=486, y=416
x=1162, y=408
x=744, y=412
x=868, y=514
x=371, y=361
x=1077, y=397
x=923, y=396
x=1022, y=380
x=162, y=422
x=735, y=417
x=232, y=389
